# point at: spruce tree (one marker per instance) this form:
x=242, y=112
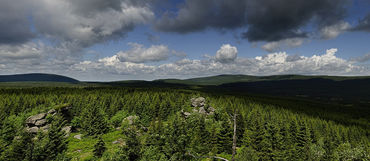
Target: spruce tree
x=56, y=141
x=224, y=138
x=99, y=147
x=93, y=120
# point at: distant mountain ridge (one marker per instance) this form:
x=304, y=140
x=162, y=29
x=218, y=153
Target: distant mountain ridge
x=226, y=79
x=37, y=77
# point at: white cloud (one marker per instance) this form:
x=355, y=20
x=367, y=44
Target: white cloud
x=139, y=54
x=226, y=53
x=331, y=32
x=282, y=44
x=270, y=64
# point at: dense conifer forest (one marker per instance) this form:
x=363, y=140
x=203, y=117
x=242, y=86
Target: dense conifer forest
x=124, y=123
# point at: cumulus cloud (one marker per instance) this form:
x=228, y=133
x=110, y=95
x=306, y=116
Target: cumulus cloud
x=282, y=44
x=139, y=54
x=266, y=20
x=270, y=64
x=226, y=53
x=330, y=32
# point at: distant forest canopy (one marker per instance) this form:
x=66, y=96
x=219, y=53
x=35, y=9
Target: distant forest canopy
x=158, y=123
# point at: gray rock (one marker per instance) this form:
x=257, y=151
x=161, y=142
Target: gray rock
x=40, y=122
x=45, y=128
x=52, y=111
x=187, y=114
x=67, y=130
x=198, y=102
x=211, y=109
x=34, y=118
x=202, y=110
x=195, y=110
x=32, y=130
x=78, y=136
x=130, y=119
x=119, y=141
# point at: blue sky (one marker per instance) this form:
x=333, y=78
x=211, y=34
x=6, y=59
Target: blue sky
x=125, y=39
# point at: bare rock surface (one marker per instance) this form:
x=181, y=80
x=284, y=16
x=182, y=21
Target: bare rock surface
x=198, y=102
x=200, y=106
x=78, y=136
x=39, y=122
x=34, y=118
x=32, y=130
x=67, y=130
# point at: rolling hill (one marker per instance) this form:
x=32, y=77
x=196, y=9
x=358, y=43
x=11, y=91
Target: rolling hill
x=225, y=79
x=36, y=77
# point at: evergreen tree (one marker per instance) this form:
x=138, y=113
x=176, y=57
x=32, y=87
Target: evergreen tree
x=132, y=148
x=99, y=147
x=93, y=120
x=56, y=141
x=20, y=149
x=224, y=138
x=177, y=139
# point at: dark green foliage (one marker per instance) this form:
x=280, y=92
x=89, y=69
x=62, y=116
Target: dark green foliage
x=224, y=138
x=132, y=148
x=7, y=131
x=56, y=142
x=93, y=120
x=99, y=148
x=161, y=132
x=20, y=149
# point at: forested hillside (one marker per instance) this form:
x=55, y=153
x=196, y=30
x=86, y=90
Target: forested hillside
x=36, y=77
x=115, y=123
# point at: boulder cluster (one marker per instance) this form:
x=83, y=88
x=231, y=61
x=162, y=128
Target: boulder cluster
x=199, y=106
x=38, y=122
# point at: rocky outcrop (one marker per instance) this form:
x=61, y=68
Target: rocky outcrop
x=39, y=122
x=36, y=122
x=198, y=102
x=32, y=119
x=199, y=106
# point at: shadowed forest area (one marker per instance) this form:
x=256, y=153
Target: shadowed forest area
x=173, y=123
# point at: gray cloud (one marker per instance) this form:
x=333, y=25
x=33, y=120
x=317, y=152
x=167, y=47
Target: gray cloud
x=88, y=22
x=14, y=25
x=282, y=44
x=362, y=59
x=332, y=31
x=364, y=24
x=266, y=20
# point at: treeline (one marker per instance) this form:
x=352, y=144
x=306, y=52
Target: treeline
x=154, y=127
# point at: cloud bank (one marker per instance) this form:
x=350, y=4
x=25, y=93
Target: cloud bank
x=270, y=64
x=265, y=20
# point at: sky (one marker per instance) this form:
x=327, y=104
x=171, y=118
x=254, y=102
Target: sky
x=108, y=40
